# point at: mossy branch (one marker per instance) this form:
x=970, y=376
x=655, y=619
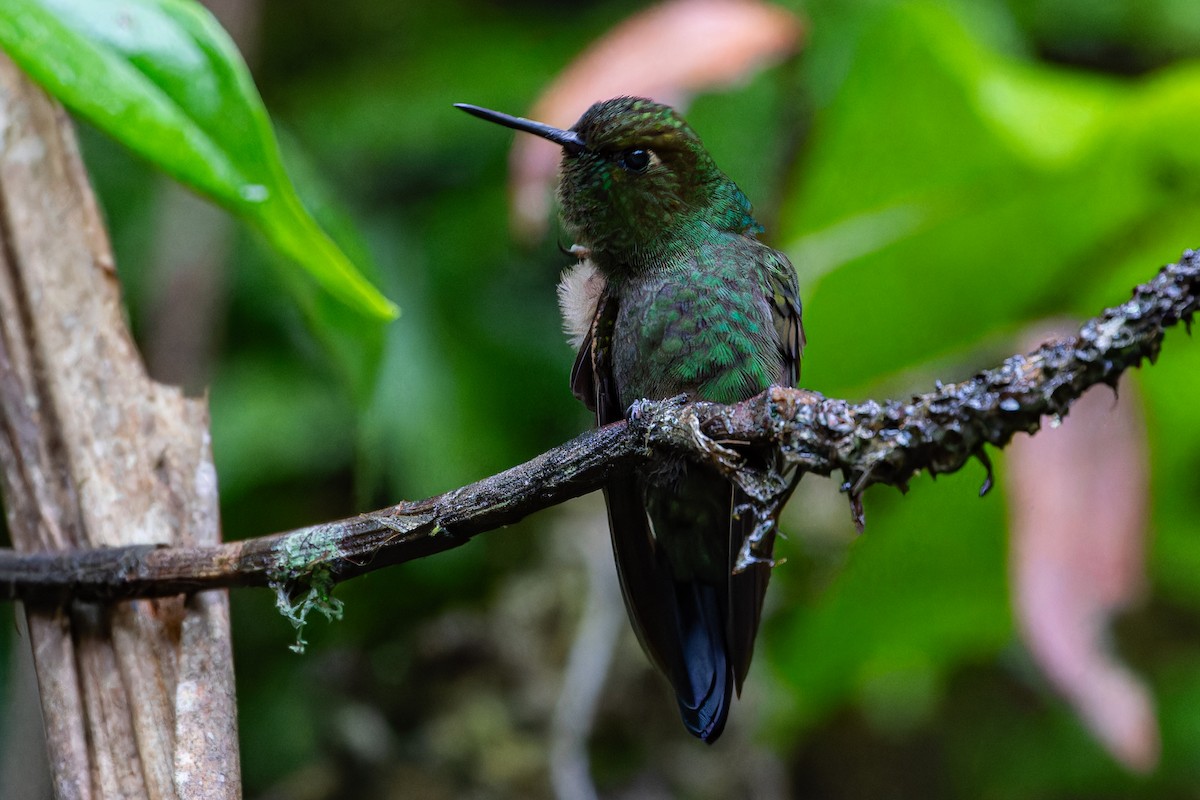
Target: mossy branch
x=867, y=443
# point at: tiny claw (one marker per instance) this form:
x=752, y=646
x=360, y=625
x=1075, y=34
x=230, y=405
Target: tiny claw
x=636, y=410
x=638, y=407
x=742, y=508
x=746, y=560
x=747, y=555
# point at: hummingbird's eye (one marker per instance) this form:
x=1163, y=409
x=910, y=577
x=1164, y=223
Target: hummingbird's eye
x=635, y=160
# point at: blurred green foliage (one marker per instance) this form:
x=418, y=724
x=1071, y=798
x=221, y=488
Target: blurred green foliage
x=942, y=174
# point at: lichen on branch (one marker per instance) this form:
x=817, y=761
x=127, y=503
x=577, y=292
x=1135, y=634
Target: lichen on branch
x=303, y=579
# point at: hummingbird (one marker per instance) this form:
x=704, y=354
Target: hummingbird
x=674, y=295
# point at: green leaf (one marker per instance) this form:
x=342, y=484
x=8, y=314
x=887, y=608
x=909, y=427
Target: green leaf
x=164, y=79
x=355, y=344
x=950, y=192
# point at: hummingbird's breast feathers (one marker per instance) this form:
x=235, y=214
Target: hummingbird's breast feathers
x=703, y=326
x=579, y=292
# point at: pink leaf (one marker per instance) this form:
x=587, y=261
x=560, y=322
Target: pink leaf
x=1078, y=498
x=666, y=52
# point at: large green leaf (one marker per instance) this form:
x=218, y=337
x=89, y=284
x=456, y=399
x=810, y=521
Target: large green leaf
x=163, y=78
x=952, y=193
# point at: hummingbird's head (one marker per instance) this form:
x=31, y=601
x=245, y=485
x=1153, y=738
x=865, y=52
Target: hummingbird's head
x=636, y=182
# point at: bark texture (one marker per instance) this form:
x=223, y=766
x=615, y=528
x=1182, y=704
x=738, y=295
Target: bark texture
x=137, y=697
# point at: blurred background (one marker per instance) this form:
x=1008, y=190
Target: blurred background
x=944, y=175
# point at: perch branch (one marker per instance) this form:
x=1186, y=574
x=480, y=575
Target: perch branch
x=868, y=443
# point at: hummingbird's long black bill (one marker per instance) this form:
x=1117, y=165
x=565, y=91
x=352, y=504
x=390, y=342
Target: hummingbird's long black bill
x=569, y=140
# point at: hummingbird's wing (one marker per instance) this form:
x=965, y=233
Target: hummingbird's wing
x=748, y=588
x=784, y=298
x=583, y=377
x=678, y=624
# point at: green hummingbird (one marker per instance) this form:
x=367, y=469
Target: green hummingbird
x=674, y=295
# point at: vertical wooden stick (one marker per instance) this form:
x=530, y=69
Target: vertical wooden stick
x=138, y=698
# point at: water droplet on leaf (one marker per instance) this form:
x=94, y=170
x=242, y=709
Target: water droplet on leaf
x=254, y=192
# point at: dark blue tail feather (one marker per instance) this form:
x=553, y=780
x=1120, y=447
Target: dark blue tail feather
x=704, y=696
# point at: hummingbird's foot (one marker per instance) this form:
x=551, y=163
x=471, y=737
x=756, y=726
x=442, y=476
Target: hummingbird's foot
x=755, y=549
x=726, y=459
x=639, y=408
x=636, y=411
